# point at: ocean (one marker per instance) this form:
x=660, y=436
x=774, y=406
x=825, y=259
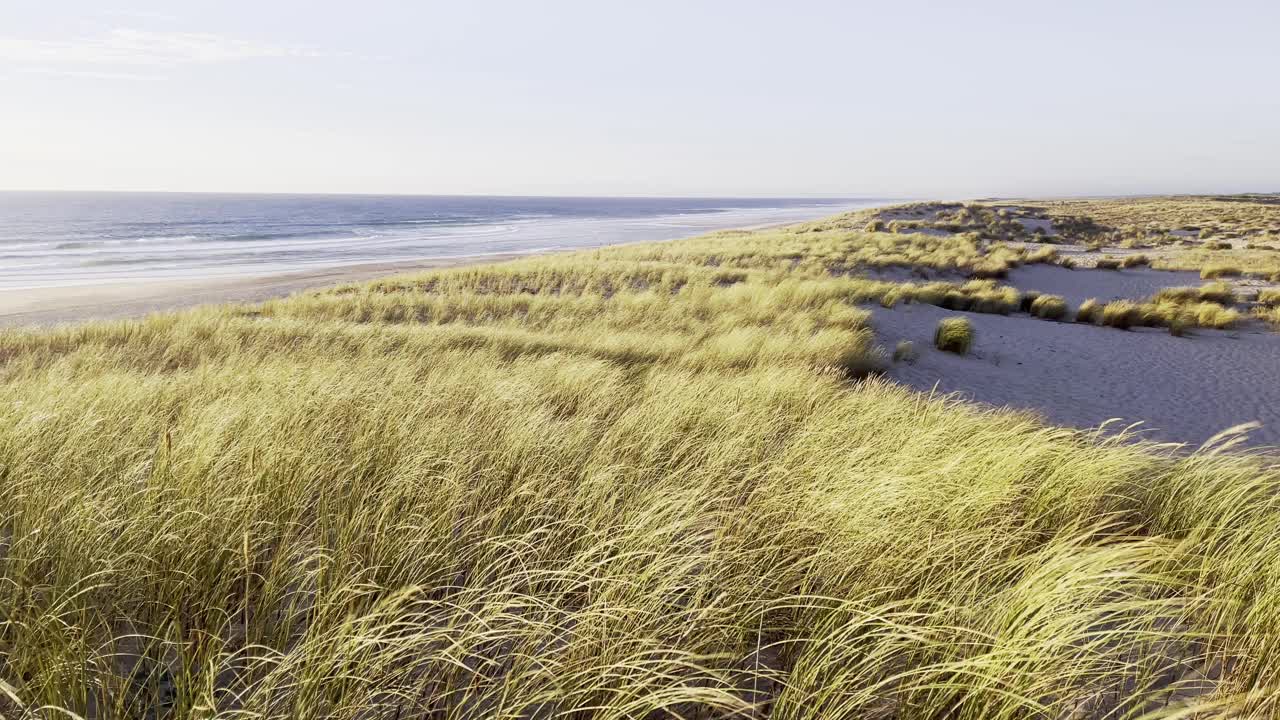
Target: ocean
x=67, y=239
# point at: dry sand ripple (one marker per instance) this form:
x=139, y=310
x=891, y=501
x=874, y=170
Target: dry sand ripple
x=1183, y=389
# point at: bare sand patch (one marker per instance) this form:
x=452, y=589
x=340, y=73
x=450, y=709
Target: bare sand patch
x=1183, y=389
x=1076, y=286
x=1042, y=224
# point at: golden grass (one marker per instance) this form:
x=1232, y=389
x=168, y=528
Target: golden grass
x=1049, y=307
x=1174, y=314
x=1218, y=292
x=954, y=335
x=633, y=483
x=1220, y=270
x=1205, y=216
x=1090, y=311
x=1270, y=315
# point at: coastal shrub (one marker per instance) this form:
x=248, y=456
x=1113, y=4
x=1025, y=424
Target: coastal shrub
x=1049, y=307
x=954, y=335
x=1131, y=261
x=1108, y=264
x=1219, y=271
x=905, y=351
x=1089, y=312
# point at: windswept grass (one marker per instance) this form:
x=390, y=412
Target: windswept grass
x=1049, y=307
x=634, y=483
x=1269, y=314
x=954, y=335
x=1124, y=314
x=1178, y=316
x=1210, y=272
x=1217, y=292
x=1090, y=311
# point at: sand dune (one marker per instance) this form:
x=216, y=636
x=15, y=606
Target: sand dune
x=1184, y=389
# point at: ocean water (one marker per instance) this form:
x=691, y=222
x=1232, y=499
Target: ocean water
x=77, y=239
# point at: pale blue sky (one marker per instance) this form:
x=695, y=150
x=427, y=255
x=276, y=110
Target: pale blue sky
x=696, y=97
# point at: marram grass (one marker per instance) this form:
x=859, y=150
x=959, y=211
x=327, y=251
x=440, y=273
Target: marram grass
x=624, y=484
x=954, y=335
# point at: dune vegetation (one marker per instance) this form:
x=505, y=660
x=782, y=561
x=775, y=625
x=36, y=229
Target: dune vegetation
x=644, y=482
x=1224, y=236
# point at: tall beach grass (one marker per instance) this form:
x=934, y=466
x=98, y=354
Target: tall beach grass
x=648, y=482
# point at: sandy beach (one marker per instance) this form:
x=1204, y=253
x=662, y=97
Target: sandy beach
x=115, y=301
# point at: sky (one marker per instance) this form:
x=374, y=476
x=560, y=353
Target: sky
x=603, y=97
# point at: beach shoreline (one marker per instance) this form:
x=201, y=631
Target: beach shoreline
x=110, y=299
x=70, y=305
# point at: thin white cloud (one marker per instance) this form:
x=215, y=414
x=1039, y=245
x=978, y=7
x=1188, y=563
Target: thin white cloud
x=87, y=74
x=143, y=48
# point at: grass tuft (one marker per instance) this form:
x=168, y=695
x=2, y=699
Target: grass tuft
x=1210, y=272
x=1090, y=311
x=1218, y=292
x=1123, y=314
x=1049, y=307
x=954, y=335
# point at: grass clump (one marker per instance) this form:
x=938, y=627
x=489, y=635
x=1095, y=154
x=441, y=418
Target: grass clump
x=1132, y=261
x=1210, y=272
x=1090, y=311
x=1042, y=255
x=1108, y=263
x=1269, y=297
x=1218, y=292
x=1049, y=307
x=1123, y=314
x=954, y=335
x=1269, y=315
